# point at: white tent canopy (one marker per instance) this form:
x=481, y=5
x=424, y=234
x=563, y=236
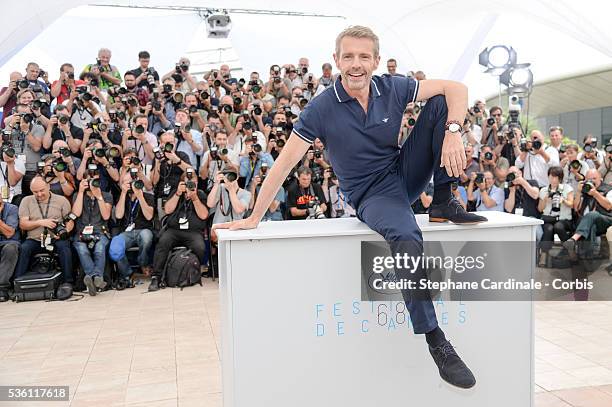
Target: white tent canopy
x=442, y=38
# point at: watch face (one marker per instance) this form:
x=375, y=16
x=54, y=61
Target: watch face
x=454, y=127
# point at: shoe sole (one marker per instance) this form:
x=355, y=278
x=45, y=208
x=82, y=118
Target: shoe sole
x=91, y=288
x=443, y=220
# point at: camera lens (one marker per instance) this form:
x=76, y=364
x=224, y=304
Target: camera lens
x=490, y=121
x=257, y=110
x=63, y=119
x=411, y=122
x=488, y=155
x=139, y=129
x=257, y=148
x=587, y=148
x=575, y=164
x=137, y=184
x=217, y=83
x=537, y=144
x=227, y=109
x=95, y=183
x=193, y=109
x=231, y=176
x=168, y=147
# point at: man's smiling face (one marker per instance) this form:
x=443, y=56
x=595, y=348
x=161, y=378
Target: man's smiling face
x=356, y=62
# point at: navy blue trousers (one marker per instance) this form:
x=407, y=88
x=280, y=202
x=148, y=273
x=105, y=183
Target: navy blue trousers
x=386, y=206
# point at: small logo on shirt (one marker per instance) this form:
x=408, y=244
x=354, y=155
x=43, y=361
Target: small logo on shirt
x=385, y=120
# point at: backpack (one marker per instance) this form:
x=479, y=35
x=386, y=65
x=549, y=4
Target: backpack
x=182, y=269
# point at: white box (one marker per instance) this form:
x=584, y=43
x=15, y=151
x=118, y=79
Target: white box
x=293, y=330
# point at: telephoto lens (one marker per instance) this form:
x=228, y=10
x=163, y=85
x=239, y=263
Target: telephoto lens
x=168, y=147
x=587, y=186
x=100, y=152
x=510, y=177
x=257, y=111
x=227, y=109
x=59, y=165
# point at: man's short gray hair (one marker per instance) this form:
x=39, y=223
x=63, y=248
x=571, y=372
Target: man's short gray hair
x=358, y=31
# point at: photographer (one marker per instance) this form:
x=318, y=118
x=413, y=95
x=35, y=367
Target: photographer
x=66, y=84
x=33, y=73
x=26, y=139
x=574, y=170
x=135, y=212
x=189, y=140
x=12, y=170
x=606, y=168
x=93, y=210
x=61, y=128
x=187, y=214
x=218, y=158
x=591, y=154
x=556, y=201
x=167, y=169
x=521, y=195
x=250, y=165
x=132, y=166
x=304, y=197
x=143, y=71
x=274, y=211
x=9, y=246
x=487, y=196
x=8, y=94
x=277, y=86
x=107, y=74
x=98, y=158
x=162, y=115
x=197, y=116
x=472, y=133
x=594, y=204
x=508, y=142
x=227, y=200
x=338, y=203
x=83, y=106
x=490, y=161
x=140, y=140
x=492, y=126
x=327, y=78
x=473, y=165
x=44, y=218
x=56, y=174
x=181, y=70
x=536, y=158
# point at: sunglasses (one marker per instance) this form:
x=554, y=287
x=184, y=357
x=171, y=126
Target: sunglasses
x=496, y=115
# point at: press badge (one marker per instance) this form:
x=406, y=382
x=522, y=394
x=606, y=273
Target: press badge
x=167, y=189
x=4, y=190
x=88, y=230
x=183, y=223
x=518, y=211
x=48, y=244
x=130, y=227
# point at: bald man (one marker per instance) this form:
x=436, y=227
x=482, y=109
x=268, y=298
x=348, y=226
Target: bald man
x=38, y=217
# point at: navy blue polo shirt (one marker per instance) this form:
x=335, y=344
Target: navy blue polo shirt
x=362, y=148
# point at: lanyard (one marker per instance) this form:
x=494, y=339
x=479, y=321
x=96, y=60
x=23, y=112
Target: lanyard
x=134, y=206
x=4, y=172
x=47, y=210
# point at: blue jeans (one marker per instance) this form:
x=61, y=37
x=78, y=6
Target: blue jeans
x=143, y=238
x=31, y=247
x=92, y=267
x=386, y=209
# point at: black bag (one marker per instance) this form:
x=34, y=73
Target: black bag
x=182, y=269
x=36, y=286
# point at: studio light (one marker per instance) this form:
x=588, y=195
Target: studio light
x=218, y=25
x=518, y=79
x=497, y=59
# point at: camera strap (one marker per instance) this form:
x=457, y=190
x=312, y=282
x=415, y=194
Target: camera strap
x=132, y=209
x=4, y=172
x=44, y=216
x=229, y=212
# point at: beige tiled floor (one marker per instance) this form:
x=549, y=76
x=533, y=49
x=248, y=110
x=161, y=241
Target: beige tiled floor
x=131, y=348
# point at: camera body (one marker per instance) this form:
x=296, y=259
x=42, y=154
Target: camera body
x=314, y=209
x=479, y=178
x=587, y=186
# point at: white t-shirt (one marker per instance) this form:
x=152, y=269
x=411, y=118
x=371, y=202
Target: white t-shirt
x=565, y=212
x=213, y=166
x=20, y=168
x=536, y=168
x=137, y=145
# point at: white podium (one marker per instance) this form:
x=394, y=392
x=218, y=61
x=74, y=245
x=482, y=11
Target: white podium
x=295, y=333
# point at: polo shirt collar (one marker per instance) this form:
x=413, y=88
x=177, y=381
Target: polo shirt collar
x=342, y=96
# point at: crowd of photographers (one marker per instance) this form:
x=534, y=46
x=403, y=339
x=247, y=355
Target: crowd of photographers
x=98, y=163
x=566, y=184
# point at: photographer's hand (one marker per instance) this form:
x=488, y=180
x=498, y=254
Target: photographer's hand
x=47, y=223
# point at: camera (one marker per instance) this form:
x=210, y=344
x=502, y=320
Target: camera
x=247, y=125
x=237, y=100
x=608, y=148
x=137, y=184
x=178, y=97
x=134, y=160
x=7, y=148
x=318, y=154
x=536, y=145
x=411, y=122
x=490, y=121
x=167, y=88
x=193, y=109
x=156, y=105
x=562, y=148
x=479, y=178
x=314, y=210
x=190, y=185
x=257, y=111
x=280, y=143
x=588, y=148
x=23, y=84
x=27, y=117
x=555, y=197
x=523, y=145
x=488, y=156
x=204, y=95
x=94, y=182
x=92, y=170
x=168, y=147
x=139, y=129
x=587, y=186
x=227, y=109
x=510, y=177
x=158, y=154
x=59, y=165
x=575, y=164
x=40, y=168
x=63, y=119
x=257, y=148
x=91, y=240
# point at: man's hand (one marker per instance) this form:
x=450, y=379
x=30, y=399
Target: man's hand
x=47, y=223
x=453, y=154
x=242, y=224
